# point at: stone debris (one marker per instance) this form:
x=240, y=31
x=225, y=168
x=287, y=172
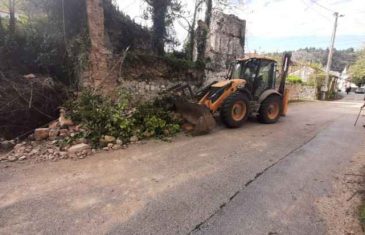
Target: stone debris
x=78, y=148
x=29, y=76
x=7, y=144
x=105, y=140
x=119, y=142
x=63, y=121
x=51, y=144
x=134, y=139
x=12, y=158
x=54, y=125
x=34, y=150
x=116, y=147
x=22, y=158
x=53, y=133
x=41, y=134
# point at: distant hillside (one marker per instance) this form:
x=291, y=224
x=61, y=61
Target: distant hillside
x=341, y=58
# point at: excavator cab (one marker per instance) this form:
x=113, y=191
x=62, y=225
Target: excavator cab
x=260, y=74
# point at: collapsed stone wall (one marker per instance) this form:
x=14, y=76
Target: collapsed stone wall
x=146, y=76
x=226, y=40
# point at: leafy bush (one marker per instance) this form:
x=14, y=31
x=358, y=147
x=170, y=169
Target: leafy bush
x=292, y=79
x=154, y=120
x=101, y=116
x=182, y=64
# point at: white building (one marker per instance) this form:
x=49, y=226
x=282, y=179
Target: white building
x=303, y=71
x=345, y=80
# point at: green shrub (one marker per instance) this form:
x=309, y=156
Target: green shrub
x=101, y=116
x=177, y=64
x=154, y=120
x=292, y=79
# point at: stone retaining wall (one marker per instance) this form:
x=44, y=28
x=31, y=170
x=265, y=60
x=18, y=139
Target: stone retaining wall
x=148, y=90
x=302, y=92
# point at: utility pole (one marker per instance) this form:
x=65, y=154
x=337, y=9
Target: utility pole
x=324, y=88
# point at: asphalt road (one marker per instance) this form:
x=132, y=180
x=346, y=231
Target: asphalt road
x=259, y=179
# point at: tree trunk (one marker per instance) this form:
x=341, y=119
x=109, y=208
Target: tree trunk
x=12, y=19
x=208, y=13
x=97, y=77
x=1, y=29
x=159, y=11
x=192, y=31
x=205, y=30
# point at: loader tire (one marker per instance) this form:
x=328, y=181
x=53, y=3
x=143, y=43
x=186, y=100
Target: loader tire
x=270, y=110
x=235, y=110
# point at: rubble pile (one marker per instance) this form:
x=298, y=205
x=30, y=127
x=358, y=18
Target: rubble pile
x=51, y=143
x=45, y=144
x=33, y=150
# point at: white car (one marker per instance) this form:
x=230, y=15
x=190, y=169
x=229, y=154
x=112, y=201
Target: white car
x=360, y=90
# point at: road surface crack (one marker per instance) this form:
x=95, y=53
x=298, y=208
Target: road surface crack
x=199, y=226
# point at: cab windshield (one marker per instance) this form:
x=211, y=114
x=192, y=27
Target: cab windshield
x=244, y=70
x=236, y=71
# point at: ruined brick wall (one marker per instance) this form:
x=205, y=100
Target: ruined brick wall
x=226, y=40
x=97, y=75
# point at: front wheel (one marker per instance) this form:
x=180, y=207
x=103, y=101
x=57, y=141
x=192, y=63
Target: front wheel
x=235, y=110
x=270, y=110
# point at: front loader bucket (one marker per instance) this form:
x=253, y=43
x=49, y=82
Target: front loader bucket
x=197, y=115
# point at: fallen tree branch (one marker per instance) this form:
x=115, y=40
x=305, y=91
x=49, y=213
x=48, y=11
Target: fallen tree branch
x=119, y=62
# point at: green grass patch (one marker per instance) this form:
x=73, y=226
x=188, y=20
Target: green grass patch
x=362, y=214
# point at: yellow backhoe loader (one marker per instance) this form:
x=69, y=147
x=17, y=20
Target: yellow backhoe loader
x=253, y=88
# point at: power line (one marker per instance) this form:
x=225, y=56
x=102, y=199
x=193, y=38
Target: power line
x=311, y=8
x=323, y=7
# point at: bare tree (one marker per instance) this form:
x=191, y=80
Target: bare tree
x=203, y=30
x=192, y=35
x=163, y=13
x=208, y=13
x=12, y=19
x=1, y=28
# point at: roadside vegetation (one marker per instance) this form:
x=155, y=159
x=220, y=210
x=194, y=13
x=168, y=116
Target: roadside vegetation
x=294, y=79
x=362, y=215
x=101, y=116
x=357, y=70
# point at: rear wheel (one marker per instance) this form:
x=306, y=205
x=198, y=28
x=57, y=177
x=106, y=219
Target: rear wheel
x=235, y=110
x=270, y=110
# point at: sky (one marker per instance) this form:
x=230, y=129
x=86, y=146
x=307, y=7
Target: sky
x=279, y=25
